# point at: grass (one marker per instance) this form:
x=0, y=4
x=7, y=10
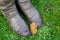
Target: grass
x=50, y=30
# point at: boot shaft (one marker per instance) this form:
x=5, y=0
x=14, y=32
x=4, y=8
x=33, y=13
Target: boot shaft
x=8, y=7
x=5, y=3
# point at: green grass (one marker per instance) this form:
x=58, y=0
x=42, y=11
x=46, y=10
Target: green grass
x=50, y=30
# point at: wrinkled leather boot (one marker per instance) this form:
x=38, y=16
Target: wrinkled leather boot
x=16, y=22
x=31, y=12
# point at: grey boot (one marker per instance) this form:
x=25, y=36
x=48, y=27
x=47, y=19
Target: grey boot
x=16, y=22
x=31, y=13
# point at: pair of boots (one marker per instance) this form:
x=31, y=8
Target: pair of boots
x=14, y=19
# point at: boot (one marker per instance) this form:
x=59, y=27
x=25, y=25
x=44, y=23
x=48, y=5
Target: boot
x=31, y=12
x=14, y=19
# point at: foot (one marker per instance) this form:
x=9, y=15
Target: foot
x=16, y=22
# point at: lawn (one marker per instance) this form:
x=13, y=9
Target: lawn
x=50, y=30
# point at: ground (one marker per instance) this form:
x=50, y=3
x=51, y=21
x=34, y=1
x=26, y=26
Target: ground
x=50, y=29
